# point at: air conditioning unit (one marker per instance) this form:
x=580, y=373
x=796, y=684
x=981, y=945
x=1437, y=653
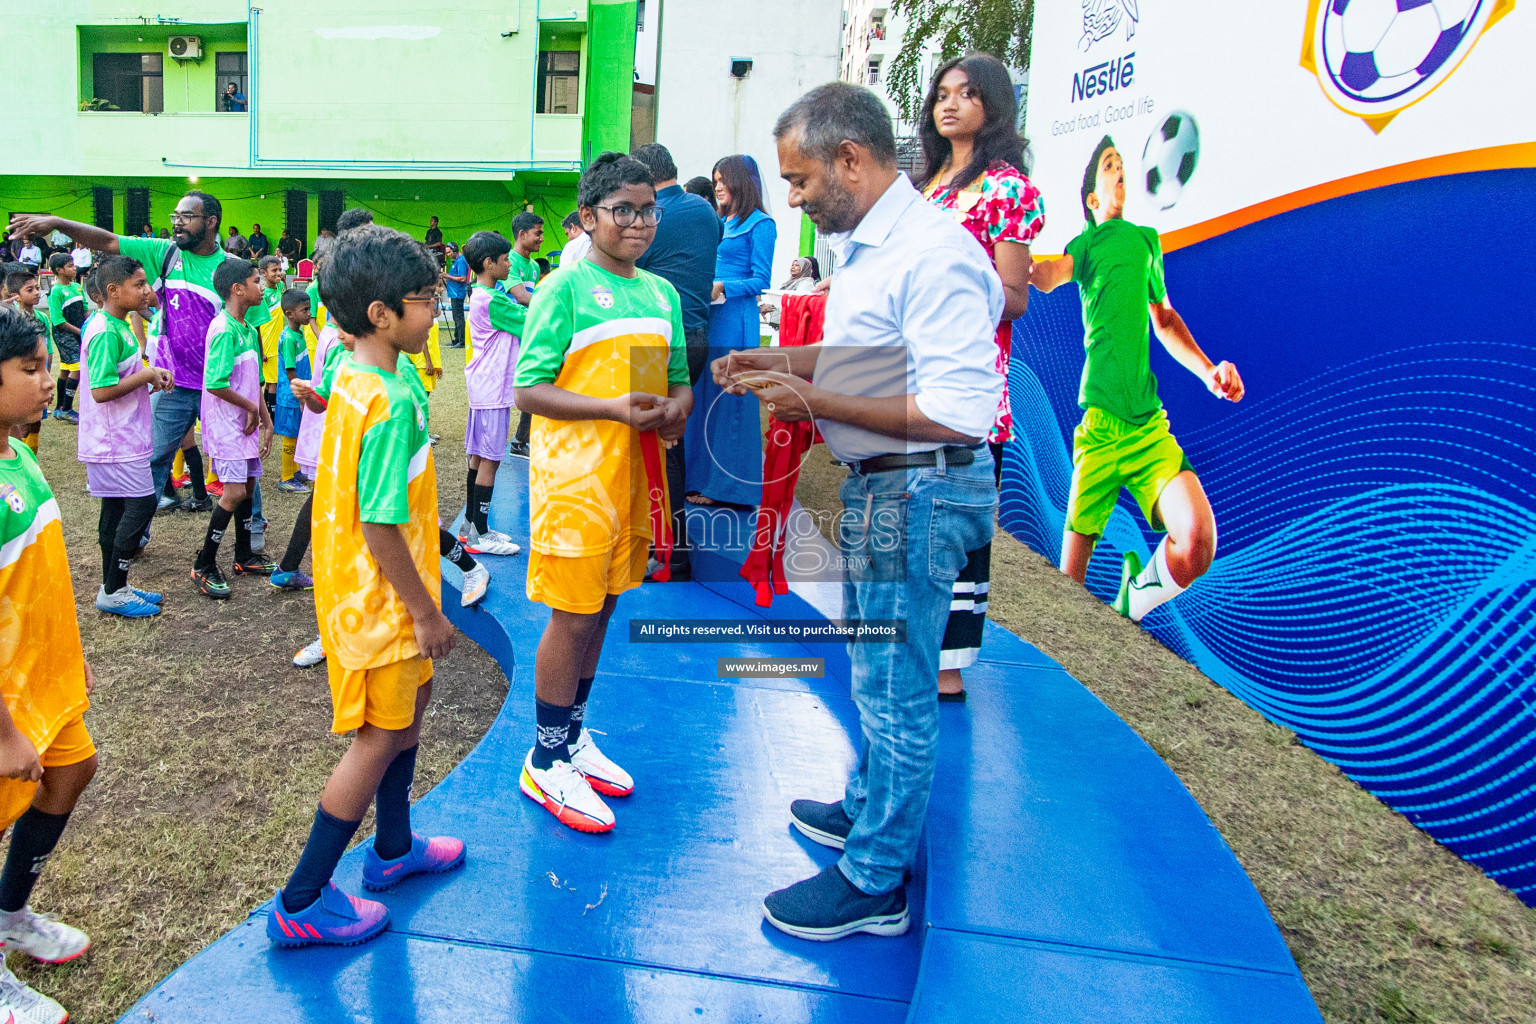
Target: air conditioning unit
x=185, y=47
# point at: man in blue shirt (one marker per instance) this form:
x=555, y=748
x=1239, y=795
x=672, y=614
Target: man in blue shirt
x=683, y=252
x=458, y=290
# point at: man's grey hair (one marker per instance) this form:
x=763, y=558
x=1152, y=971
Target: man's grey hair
x=839, y=112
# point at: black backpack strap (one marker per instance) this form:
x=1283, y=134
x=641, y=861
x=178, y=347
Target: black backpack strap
x=172, y=258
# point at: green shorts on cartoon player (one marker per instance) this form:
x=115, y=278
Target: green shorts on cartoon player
x=1123, y=439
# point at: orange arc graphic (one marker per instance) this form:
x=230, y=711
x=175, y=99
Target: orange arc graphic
x=1519, y=154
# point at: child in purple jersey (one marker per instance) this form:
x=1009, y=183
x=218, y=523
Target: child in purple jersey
x=495, y=325
x=115, y=438
x=237, y=429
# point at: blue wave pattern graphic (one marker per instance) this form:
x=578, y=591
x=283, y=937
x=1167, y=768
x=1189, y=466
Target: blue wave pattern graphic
x=1374, y=588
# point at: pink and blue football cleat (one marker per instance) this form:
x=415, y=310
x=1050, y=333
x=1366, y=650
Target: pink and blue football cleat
x=427, y=856
x=335, y=919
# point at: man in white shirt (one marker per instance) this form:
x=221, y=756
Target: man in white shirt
x=903, y=388
x=577, y=243
x=80, y=256
x=31, y=254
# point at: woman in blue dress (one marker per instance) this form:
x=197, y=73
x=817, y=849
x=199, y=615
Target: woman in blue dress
x=724, y=442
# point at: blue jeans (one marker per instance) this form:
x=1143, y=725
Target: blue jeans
x=904, y=537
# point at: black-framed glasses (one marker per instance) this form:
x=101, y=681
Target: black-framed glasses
x=624, y=215
x=182, y=218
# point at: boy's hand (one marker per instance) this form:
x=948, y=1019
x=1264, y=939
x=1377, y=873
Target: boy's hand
x=301, y=389
x=673, y=424
x=641, y=410
x=434, y=635
x=162, y=381
x=252, y=421
x=1224, y=382
x=18, y=758
x=437, y=371
x=90, y=680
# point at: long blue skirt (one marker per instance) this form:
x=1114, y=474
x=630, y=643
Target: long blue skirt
x=724, y=440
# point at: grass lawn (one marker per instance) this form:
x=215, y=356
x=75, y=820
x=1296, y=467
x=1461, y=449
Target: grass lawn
x=213, y=747
x=1386, y=925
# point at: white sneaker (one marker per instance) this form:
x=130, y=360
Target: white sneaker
x=27, y=1005
x=476, y=581
x=605, y=776
x=42, y=936
x=491, y=542
x=565, y=793
x=314, y=654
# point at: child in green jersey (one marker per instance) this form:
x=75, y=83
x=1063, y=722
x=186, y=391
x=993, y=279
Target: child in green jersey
x=21, y=286
x=603, y=368
x=1123, y=439
x=67, y=313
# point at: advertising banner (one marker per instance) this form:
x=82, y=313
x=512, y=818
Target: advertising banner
x=1343, y=198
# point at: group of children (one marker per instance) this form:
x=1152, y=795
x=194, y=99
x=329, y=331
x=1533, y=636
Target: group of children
x=595, y=358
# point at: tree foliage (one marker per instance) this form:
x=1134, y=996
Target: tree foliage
x=999, y=27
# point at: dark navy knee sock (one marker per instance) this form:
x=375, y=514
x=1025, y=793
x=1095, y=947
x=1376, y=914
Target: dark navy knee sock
x=554, y=724
x=328, y=839
x=392, y=807
x=449, y=547
x=579, y=709
x=32, y=841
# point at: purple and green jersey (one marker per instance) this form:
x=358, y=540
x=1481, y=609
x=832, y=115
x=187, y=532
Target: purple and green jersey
x=232, y=360
x=188, y=304
x=495, y=325
x=119, y=430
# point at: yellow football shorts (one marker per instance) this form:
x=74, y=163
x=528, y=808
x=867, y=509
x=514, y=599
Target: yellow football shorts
x=1109, y=453
x=72, y=745
x=580, y=583
x=383, y=697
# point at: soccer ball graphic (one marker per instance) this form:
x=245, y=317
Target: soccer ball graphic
x=1169, y=158
x=1378, y=56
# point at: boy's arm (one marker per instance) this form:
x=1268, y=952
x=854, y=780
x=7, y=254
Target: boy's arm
x=434, y=634
x=152, y=376
x=1221, y=379
x=1048, y=275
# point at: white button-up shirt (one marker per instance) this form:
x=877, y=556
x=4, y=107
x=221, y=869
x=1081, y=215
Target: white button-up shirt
x=913, y=310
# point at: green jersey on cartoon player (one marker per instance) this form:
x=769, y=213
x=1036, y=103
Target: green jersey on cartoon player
x=1123, y=439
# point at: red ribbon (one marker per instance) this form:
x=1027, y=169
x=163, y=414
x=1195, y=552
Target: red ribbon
x=656, y=490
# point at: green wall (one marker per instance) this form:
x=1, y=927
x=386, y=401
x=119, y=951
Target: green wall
x=610, y=75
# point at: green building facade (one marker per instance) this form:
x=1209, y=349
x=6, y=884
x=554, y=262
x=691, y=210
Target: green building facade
x=468, y=110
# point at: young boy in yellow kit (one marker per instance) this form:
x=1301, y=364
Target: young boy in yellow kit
x=602, y=366
x=378, y=588
x=46, y=755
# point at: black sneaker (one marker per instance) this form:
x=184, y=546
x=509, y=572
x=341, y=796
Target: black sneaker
x=827, y=907
x=821, y=823
x=210, y=583
x=257, y=565
x=518, y=449
x=203, y=504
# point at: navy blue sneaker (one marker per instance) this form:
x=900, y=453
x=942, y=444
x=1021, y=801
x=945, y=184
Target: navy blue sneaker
x=828, y=906
x=821, y=823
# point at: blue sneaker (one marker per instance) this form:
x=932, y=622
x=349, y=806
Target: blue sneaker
x=295, y=580
x=68, y=416
x=335, y=919
x=148, y=596
x=827, y=906
x=127, y=603
x=427, y=857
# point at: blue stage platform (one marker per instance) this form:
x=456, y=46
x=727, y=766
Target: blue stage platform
x=1066, y=873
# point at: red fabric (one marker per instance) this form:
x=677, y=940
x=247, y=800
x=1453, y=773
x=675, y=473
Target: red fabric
x=801, y=323
x=661, y=515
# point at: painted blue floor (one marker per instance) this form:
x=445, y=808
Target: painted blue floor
x=1067, y=875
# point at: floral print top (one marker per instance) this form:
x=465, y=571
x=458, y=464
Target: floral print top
x=1001, y=205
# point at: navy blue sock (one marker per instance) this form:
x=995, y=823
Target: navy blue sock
x=579, y=709
x=392, y=807
x=554, y=729
x=32, y=841
x=328, y=839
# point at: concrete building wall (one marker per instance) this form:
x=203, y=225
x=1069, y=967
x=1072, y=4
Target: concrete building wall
x=704, y=114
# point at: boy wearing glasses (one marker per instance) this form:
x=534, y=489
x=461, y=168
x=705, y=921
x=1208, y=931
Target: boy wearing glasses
x=495, y=326
x=604, y=372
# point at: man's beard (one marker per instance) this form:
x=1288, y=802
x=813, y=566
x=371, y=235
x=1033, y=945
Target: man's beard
x=836, y=212
x=192, y=242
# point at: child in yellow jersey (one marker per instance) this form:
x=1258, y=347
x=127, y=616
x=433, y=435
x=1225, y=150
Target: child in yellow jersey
x=377, y=588
x=46, y=755
x=604, y=372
